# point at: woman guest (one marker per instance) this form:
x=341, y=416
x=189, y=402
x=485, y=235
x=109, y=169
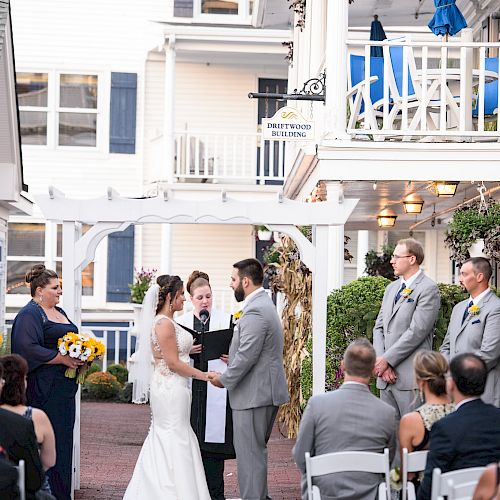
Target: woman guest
x=35, y=332
x=213, y=453
x=415, y=427
x=13, y=398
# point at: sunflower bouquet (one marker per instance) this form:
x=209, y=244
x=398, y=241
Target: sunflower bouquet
x=83, y=347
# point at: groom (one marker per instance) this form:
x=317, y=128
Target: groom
x=255, y=378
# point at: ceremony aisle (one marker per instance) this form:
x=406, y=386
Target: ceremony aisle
x=112, y=436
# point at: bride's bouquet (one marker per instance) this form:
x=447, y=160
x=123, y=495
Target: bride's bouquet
x=83, y=347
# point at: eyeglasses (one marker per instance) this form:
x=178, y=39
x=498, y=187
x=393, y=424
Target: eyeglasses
x=394, y=256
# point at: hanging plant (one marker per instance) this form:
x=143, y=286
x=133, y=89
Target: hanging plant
x=470, y=223
x=299, y=7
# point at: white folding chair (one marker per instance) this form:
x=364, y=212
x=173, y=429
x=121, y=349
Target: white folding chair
x=21, y=480
x=348, y=461
x=412, y=462
x=464, y=491
x=442, y=483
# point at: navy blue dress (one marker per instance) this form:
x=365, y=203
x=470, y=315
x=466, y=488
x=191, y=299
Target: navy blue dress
x=35, y=338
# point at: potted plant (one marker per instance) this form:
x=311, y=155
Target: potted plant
x=142, y=281
x=470, y=224
x=263, y=233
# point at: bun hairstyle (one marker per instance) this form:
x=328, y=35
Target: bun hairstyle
x=15, y=369
x=197, y=279
x=39, y=276
x=431, y=367
x=169, y=287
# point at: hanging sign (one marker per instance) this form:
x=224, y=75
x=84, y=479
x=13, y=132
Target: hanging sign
x=287, y=125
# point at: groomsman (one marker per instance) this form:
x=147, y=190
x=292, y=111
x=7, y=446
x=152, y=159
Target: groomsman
x=404, y=326
x=475, y=324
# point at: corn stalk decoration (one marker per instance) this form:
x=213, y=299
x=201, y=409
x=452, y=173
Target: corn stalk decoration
x=294, y=280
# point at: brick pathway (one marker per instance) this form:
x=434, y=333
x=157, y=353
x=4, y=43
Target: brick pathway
x=112, y=436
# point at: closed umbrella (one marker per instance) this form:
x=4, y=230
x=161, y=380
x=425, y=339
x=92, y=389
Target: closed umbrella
x=377, y=34
x=447, y=20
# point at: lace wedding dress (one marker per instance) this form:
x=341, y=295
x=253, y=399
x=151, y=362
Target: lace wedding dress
x=169, y=466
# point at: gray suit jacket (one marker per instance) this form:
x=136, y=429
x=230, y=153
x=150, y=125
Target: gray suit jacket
x=479, y=334
x=337, y=421
x=404, y=328
x=255, y=375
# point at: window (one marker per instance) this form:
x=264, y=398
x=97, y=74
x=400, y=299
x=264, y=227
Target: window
x=32, y=94
x=77, y=110
x=241, y=9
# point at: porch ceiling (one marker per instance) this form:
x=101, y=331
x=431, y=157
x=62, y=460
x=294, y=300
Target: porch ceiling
x=391, y=12
x=390, y=194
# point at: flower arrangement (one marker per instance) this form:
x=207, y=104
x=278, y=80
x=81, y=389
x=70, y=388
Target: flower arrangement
x=142, y=281
x=395, y=479
x=474, y=310
x=83, y=347
x=406, y=293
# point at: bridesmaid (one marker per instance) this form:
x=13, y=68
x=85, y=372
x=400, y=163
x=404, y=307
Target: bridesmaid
x=35, y=332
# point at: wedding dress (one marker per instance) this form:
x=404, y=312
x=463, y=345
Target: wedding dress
x=169, y=466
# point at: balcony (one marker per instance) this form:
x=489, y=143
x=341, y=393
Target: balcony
x=423, y=91
x=236, y=158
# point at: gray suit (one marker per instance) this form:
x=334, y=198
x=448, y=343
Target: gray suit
x=338, y=421
x=480, y=335
x=256, y=384
x=401, y=330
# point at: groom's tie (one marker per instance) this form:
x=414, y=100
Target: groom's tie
x=466, y=312
x=400, y=291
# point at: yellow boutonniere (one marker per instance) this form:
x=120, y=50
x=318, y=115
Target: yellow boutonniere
x=237, y=315
x=406, y=292
x=474, y=310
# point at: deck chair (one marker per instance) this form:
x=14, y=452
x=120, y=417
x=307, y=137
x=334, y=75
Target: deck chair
x=443, y=482
x=348, y=461
x=21, y=481
x=412, y=462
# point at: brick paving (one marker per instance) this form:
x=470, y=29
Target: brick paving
x=112, y=436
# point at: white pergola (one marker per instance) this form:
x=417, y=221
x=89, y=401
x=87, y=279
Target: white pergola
x=324, y=255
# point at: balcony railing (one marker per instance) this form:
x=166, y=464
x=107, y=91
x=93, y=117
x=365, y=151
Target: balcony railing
x=228, y=157
x=421, y=90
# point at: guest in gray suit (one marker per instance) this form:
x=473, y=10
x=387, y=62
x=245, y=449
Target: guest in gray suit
x=404, y=326
x=255, y=378
x=348, y=419
x=475, y=324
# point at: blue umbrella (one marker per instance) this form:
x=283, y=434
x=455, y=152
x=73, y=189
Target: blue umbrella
x=377, y=34
x=447, y=20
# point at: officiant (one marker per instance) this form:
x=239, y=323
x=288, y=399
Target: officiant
x=209, y=405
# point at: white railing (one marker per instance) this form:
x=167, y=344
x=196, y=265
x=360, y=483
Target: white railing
x=424, y=89
x=229, y=157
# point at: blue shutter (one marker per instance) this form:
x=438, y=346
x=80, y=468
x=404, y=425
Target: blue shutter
x=183, y=8
x=122, y=113
x=120, y=265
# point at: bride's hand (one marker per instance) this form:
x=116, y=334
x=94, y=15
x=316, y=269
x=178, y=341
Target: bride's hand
x=211, y=375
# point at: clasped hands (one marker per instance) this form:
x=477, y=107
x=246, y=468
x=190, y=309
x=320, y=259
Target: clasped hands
x=384, y=371
x=214, y=379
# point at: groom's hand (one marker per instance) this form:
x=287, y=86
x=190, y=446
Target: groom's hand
x=216, y=381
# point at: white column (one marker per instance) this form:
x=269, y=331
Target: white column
x=335, y=193
x=336, y=69
x=166, y=249
x=169, y=113
x=430, y=263
x=72, y=296
x=316, y=23
x=362, y=250
x=319, y=301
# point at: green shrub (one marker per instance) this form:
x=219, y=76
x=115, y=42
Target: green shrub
x=102, y=385
x=94, y=367
x=119, y=371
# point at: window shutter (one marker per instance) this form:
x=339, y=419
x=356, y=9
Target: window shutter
x=123, y=113
x=120, y=265
x=183, y=8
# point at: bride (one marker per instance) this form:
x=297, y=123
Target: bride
x=169, y=466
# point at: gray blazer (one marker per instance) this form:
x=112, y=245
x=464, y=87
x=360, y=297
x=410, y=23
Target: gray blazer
x=255, y=375
x=404, y=328
x=479, y=334
x=337, y=421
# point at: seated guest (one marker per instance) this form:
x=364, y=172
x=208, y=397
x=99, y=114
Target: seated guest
x=18, y=439
x=470, y=436
x=8, y=478
x=348, y=419
x=430, y=375
x=488, y=487
x=13, y=398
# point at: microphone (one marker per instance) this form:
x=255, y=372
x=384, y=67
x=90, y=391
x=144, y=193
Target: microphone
x=204, y=315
